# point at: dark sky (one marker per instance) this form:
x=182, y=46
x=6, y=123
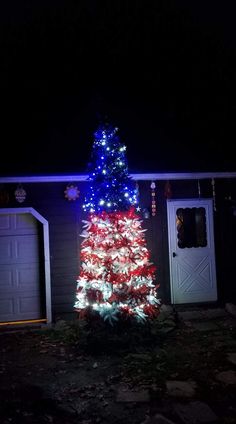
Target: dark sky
x=163, y=72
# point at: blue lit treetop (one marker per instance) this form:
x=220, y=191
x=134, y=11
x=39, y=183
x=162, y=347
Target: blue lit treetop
x=111, y=188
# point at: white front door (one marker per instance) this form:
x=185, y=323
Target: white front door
x=191, y=251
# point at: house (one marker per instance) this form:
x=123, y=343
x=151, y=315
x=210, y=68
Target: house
x=190, y=220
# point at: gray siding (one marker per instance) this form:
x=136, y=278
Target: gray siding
x=65, y=226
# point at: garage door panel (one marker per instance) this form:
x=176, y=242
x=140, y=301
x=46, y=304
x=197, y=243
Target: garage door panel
x=19, y=249
x=24, y=223
x=6, y=307
x=29, y=305
x=5, y=223
x=27, y=277
x=6, y=279
x=22, y=306
x=26, y=249
x=21, y=276
x=6, y=250
x=19, y=309
x=20, y=293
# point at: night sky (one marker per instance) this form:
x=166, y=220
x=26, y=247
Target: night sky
x=163, y=72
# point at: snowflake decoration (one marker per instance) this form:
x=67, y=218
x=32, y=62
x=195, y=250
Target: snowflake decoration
x=71, y=192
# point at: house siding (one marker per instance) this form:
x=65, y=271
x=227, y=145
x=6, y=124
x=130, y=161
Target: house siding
x=66, y=217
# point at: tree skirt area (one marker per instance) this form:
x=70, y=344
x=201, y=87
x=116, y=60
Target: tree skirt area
x=176, y=370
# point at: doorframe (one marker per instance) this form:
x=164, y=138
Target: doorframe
x=47, y=271
x=210, y=234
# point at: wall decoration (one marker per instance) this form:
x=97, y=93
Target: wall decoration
x=4, y=197
x=198, y=189
x=153, y=194
x=168, y=190
x=138, y=208
x=20, y=194
x=71, y=192
x=137, y=189
x=146, y=213
x=213, y=193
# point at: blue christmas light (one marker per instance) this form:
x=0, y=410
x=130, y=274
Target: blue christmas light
x=111, y=187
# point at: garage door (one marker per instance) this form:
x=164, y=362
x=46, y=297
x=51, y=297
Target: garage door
x=20, y=295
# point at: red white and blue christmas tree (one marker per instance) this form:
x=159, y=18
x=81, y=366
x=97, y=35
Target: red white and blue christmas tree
x=117, y=278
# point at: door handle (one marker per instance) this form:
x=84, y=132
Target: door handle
x=174, y=254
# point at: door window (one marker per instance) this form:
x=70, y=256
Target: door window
x=191, y=227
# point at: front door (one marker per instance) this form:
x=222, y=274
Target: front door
x=191, y=251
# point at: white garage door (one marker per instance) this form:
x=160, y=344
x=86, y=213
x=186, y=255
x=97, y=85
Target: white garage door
x=20, y=297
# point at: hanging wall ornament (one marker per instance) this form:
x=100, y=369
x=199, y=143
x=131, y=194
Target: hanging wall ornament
x=198, y=189
x=20, y=194
x=167, y=190
x=137, y=189
x=4, y=197
x=213, y=193
x=153, y=194
x=71, y=192
x=138, y=209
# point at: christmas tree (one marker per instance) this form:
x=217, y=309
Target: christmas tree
x=116, y=279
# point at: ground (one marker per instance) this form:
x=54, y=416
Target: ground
x=75, y=373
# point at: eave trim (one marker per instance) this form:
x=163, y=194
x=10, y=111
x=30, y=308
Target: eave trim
x=136, y=177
